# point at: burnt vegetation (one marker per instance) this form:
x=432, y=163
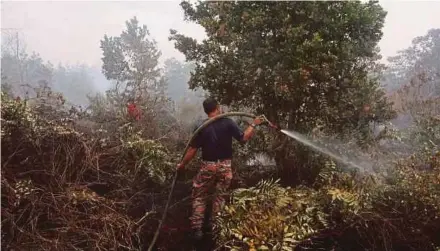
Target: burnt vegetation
x=95, y=178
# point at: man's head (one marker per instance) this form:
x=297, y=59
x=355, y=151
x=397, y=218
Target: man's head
x=211, y=106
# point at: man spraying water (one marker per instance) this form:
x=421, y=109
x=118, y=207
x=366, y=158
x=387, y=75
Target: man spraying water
x=215, y=140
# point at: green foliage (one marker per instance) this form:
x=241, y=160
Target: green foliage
x=308, y=66
x=144, y=158
x=303, y=64
x=272, y=217
x=5, y=86
x=288, y=60
x=359, y=211
x=49, y=175
x=131, y=60
x=152, y=158
x=268, y=216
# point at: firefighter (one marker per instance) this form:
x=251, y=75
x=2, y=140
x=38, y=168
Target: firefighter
x=133, y=111
x=215, y=173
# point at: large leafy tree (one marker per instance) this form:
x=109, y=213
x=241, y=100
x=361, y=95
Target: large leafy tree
x=303, y=64
x=297, y=61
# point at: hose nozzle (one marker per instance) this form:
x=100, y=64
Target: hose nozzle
x=263, y=117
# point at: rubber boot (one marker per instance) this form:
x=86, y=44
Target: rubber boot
x=208, y=229
x=198, y=235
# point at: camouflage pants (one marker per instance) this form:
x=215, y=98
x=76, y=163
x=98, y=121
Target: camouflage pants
x=215, y=176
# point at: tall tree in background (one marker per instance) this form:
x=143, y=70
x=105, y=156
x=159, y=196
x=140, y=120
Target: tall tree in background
x=413, y=80
x=25, y=73
x=303, y=64
x=421, y=58
x=131, y=60
x=177, y=75
x=76, y=82
x=21, y=72
x=187, y=103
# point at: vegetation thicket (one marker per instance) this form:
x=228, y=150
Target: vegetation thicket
x=93, y=178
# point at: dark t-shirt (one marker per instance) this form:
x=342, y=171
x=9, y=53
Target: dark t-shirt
x=216, y=139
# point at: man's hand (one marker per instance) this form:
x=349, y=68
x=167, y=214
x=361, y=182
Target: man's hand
x=250, y=130
x=189, y=155
x=180, y=167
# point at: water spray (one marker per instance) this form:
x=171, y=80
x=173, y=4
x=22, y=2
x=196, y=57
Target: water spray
x=318, y=148
x=291, y=134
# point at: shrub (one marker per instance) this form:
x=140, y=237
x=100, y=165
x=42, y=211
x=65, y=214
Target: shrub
x=63, y=189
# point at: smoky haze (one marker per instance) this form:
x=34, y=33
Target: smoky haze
x=68, y=34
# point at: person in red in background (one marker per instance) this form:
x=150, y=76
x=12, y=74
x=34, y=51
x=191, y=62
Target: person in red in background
x=133, y=111
x=367, y=108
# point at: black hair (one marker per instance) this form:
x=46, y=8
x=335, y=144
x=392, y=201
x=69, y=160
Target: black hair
x=209, y=105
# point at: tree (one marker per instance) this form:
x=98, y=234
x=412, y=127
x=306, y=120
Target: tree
x=24, y=73
x=131, y=60
x=187, y=102
x=6, y=87
x=177, y=75
x=287, y=59
x=302, y=64
x=76, y=82
x=421, y=58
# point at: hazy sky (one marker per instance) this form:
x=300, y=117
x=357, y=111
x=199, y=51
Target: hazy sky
x=70, y=31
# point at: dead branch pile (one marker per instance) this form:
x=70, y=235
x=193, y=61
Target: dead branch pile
x=66, y=190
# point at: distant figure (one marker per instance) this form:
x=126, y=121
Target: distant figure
x=133, y=111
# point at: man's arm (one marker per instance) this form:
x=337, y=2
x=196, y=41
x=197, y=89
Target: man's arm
x=248, y=133
x=192, y=151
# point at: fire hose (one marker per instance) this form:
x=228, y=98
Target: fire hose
x=206, y=123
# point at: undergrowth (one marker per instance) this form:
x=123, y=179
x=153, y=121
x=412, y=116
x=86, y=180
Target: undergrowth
x=68, y=189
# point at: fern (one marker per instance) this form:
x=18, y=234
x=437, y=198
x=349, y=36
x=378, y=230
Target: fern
x=270, y=217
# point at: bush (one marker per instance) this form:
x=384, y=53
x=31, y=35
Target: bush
x=346, y=213
x=63, y=189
